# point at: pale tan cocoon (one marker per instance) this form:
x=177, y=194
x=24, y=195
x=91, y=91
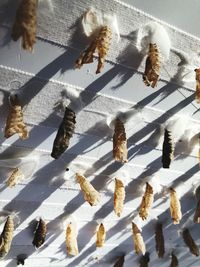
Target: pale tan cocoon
x=14, y=178
x=71, y=240
x=197, y=96
x=138, y=240
x=147, y=201
x=7, y=236
x=119, y=196
x=101, y=235
x=175, y=207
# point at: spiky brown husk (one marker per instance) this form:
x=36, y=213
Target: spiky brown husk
x=6, y=236
x=65, y=132
x=15, y=122
x=71, y=240
x=190, y=242
x=175, y=207
x=25, y=24
x=40, y=234
x=100, y=45
x=159, y=238
x=152, y=67
x=147, y=201
x=138, y=240
x=120, y=151
x=119, y=196
x=101, y=235
x=168, y=149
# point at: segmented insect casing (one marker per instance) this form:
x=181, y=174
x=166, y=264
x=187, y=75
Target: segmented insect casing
x=197, y=213
x=197, y=96
x=152, y=67
x=40, y=234
x=65, y=132
x=175, y=207
x=7, y=236
x=174, y=261
x=144, y=260
x=147, y=201
x=101, y=236
x=190, y=242
x=71, y=240
x=15, y=122
x=138, y=240
x=14, y=178
x=89, y=192
x=100, y=45
x=119, y=196
x=120, y=151
x=159, y=238
x=25, y=24
x=119, y=262
x=168, y=149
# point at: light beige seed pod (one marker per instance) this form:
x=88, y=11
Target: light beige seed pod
x=138, y=240
x=89, y=192
x=14, y=178
x=101, y=235
x=147, y=201
x=7, y=236
x=175, y=207
x=119, y=196
x=71, y=240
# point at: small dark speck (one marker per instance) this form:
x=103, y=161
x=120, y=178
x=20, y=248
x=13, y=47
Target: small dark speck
x=67, y=169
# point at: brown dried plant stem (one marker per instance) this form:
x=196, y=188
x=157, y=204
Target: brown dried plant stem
x=147, y=201
x=71, y=240
x=152, y=67
x=138, y=240
x=40, y=234
x=120, y=151
x=101, y=235
x=25, y=24
x=175, y=207
x=119, y=196
x=168, y=149
x=100, y=45
x=6, y=236
x=190, y=242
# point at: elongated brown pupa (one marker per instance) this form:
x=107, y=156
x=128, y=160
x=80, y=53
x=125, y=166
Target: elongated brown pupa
x=152, y=67
x=175, y=207
x=6, y=236
x=15, y=122
x=138, y=240
x=100, y=46
x=197, y=213
x=120, y=151
x=15, y=177
x=159, y=238
x=197, y=96
x=190, y=242
x=174, y=261
x=119, y=262
x=40, y=234
x=119, y=196
x=147, y=201
x=168, y=149
x=65, y=132
x=25, y=24
x=89, y=192
x=101, y=236
x=144, y=260
x=71, y=240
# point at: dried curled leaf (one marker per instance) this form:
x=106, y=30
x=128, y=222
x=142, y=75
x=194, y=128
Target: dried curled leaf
x=152, y=67
x=101, y=236
x=25, y=24
x=6, y=236
x=40, y=234
x=15, y=123
x=119, y=262
x=174, y=261
x=159, y=238
x=197, y=213
x=147, y=202
x=190, y=242
x=71, y=240
x=175, y=207
x=197, y=85
x=89, y=192
x=144, y=260
x=15, y=177
x=100, y=45
x=138, y=240
x=65, y=132
x=119, y=196
x=168, y=149
x=120, y=151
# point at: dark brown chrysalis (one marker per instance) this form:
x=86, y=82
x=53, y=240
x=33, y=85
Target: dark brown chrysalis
x=6, y=236
x=65, y=132
x=144, y=260
x=40, y=234
x=15, y=121
x=159, y=238
x=100, y=45
x=152, y=67
x=21, y=259
x=120, y=151
x=168, y=149
x=174, y=261
x=197, y=213
x=190, y=242
x=119, y=262
x=25, y=24
x=197, y=97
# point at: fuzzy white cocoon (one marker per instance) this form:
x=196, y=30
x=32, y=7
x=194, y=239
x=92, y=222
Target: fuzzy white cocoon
x=154, y=33
x=93, y=20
